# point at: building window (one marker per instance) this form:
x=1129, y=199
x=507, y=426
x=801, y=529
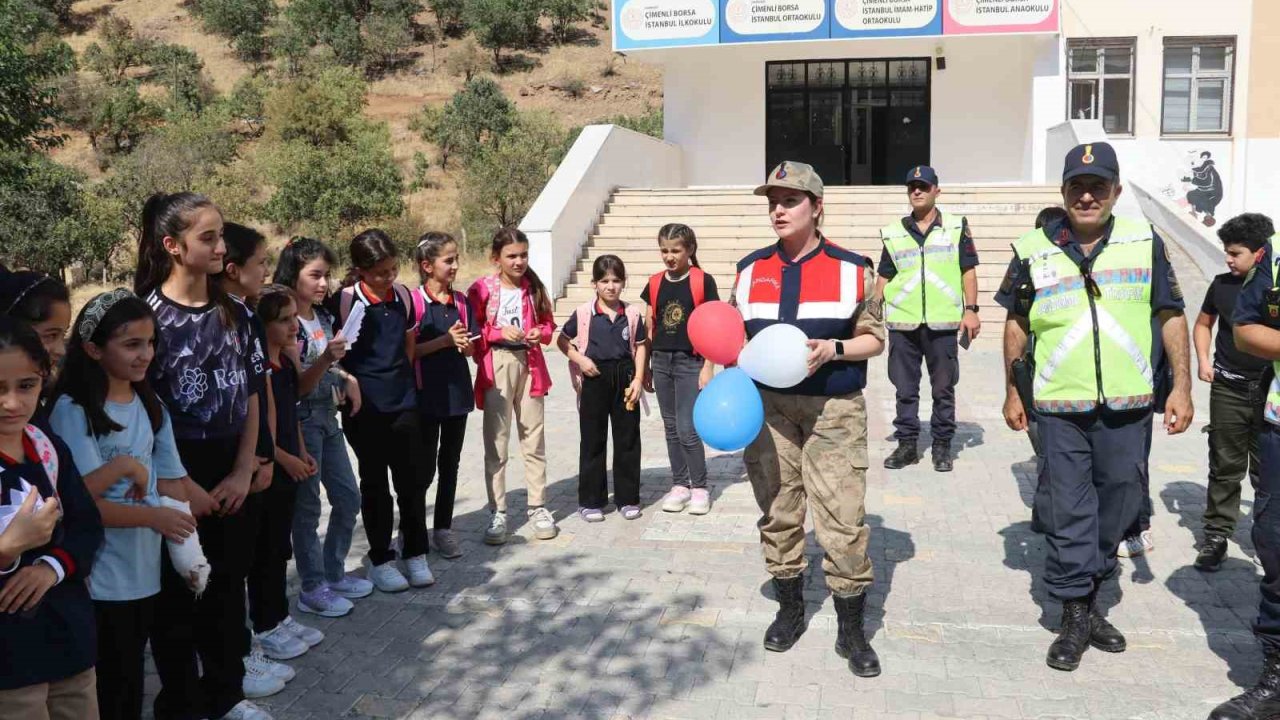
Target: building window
x=1197, y=85
x=1100, y=82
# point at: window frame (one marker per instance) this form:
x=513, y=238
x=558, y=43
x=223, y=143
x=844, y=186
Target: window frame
x=1228, y=76
x=1100, y=75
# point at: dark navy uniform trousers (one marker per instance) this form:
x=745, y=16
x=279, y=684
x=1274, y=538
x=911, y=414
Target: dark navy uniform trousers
x=1091, y=487
x=1266, y=536
x=938, y=349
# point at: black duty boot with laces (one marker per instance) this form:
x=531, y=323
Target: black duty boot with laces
x=1073, y=638
x=851, y=642
x=906, y=454
x=1212, y=552
x=942, y=461
x=1102, y=634
x=788, y=624
x=1260, y=702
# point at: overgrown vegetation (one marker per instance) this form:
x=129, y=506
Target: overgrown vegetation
x=289, y=145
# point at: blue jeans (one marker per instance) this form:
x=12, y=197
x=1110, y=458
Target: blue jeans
x=327, y=445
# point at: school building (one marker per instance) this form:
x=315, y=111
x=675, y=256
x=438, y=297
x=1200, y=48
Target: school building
x=991, y=93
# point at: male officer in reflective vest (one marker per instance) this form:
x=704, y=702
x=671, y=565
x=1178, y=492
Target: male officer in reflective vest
x=1100, y=295
x=930, y=288
x=1257, y=331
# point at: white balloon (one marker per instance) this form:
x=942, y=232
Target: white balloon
x=777, y=356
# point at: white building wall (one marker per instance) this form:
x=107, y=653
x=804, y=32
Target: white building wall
x=980, y=118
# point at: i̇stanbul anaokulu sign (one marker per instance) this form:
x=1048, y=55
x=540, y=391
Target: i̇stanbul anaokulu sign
x=639, y=24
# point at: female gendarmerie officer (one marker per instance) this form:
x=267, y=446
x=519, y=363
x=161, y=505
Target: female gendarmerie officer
x=813, y=447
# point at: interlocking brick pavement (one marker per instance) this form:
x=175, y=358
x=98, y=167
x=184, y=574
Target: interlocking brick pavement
x=662, y=617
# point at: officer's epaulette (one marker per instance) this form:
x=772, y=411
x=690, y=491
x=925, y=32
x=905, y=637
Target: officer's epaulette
x=846, y=255
x=755, y=256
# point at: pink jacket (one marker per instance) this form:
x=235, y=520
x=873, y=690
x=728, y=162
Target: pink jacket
x=483, y=299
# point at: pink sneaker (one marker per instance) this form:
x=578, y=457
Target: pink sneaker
x=676, y=499
x=700, y=502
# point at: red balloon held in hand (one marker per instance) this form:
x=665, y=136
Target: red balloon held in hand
x=716, y=332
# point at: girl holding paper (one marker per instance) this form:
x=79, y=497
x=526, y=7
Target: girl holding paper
x=327, y=589
x=378, y=323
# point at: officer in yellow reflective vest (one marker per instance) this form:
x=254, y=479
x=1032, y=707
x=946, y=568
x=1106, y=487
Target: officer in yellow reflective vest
x=930, y=288
x=1257, y=330
x=1101, y=297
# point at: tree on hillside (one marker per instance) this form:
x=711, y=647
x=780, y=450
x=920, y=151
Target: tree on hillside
x=243, y=22
x=247, y=104
x=180, y=70
x=466, y=60
x=119, y=51
x=48, y=219
x=502, y=179
x=359, y=33
x=500, y=24
x=30, y=59
x=448, y=15
x=563, y=14
x=114, y=116
x=476, y=114
x=322, y=108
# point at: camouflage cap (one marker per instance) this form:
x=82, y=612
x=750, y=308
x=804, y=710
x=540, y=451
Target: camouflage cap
x=792, y=175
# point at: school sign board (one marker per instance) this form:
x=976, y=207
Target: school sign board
x=642, y=24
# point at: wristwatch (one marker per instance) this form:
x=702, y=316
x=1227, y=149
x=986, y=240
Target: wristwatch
x=972, y=308
x=839, y=348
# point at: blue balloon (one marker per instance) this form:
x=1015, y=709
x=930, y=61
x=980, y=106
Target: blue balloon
x=729, y=413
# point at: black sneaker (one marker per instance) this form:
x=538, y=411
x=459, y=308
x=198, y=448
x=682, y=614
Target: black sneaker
x=1212, y=552
x=906, y=454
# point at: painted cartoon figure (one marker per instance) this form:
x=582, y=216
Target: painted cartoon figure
x=1207, y=194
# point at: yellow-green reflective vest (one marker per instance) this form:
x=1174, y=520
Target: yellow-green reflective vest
x=1092, y=349
x=927, y=288
x=1273, y=393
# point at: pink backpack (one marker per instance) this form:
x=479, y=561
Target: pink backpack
x=583, y=318
x=420, y=312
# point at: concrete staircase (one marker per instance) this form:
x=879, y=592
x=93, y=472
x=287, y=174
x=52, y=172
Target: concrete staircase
x=731, y=222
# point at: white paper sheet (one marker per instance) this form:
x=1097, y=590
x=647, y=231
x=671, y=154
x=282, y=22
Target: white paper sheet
x=351, y=329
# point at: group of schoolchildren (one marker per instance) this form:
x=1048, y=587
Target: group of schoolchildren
x=161, y=458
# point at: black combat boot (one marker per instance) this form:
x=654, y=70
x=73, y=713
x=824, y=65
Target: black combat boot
x=1259, y=702
x=1212, y=552
x=906, y=454
x=851, y=643
x=788, y=624
x=1073, y=638
x=1102, y=634
x=942, y=455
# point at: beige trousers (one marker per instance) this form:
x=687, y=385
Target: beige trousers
x=73, y=698
x=812, y=453
x=510, y=395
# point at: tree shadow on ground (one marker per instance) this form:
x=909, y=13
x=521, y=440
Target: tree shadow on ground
x=80, y=22
x=968, y=435
x=516, y=62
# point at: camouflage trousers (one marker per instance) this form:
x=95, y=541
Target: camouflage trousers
x=813, y=452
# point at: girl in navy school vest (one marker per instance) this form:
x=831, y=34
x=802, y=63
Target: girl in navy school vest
x=385, y=433
x=446, y=331
x=606, y=340
x=44, y=303
x=51, y=531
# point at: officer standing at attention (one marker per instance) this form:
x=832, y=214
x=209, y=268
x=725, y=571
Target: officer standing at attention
x=812, y=451
x=1100, y=295
x=1257, y=331
x=930, y=290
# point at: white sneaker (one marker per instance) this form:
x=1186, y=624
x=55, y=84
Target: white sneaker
x=352, y=587
x=309, y=635
x=496, y=533
x=257, y=683
x=676, y=499
x=418, y=571
x=387, y=578
x=268, y=666
x=280, y=644
x=245, y=710
x=1136, y=545
x=699, y=501
x=544, y=523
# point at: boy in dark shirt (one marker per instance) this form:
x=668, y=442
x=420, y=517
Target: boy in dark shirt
x=1235, y=400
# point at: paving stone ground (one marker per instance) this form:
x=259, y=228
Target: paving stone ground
x=662, y=617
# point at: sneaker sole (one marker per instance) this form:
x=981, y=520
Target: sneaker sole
x=452, y=556
x=303, y=607
x=429, y=583
x=699, y=510
x=259, y=696
x=391, y=591
x=673, y=508
x=549, y=534
x=353, y=595
x=489, y=540
x=279, y=658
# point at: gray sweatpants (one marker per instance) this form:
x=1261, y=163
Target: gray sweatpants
x=675, y=378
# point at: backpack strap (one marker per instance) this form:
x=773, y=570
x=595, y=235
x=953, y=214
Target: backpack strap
x=47, y=453
x=583, y=315
x=346, y=298
x=697, y=285
x=464, y=310
x=655, y=284
x=633, y=324
x=420, y=303
x=406, y=298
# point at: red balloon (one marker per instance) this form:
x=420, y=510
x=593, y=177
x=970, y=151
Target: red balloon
x=717, y=332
